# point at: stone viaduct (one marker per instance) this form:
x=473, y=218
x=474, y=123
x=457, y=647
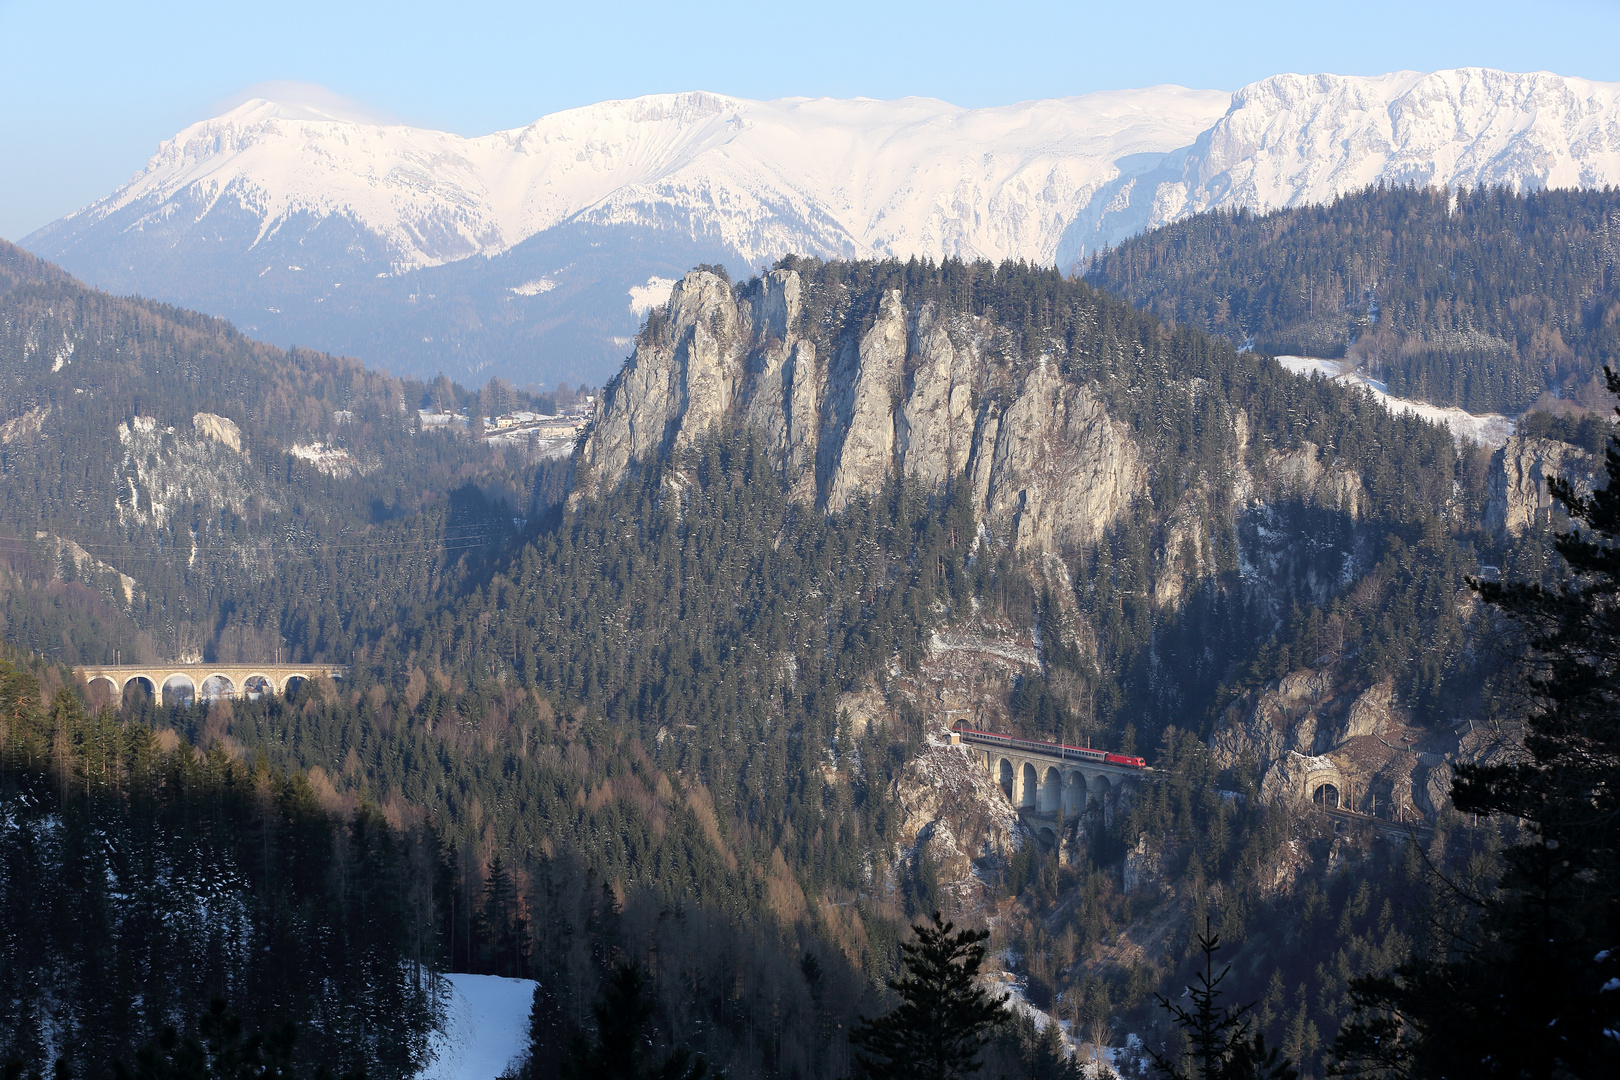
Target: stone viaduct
x=1051, y=784
x=175, y=682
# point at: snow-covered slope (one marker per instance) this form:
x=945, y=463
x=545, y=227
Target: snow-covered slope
x=304, y=225
x=1482, y=429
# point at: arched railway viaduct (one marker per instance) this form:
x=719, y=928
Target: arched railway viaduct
x=1051, y=784
x=169, y=683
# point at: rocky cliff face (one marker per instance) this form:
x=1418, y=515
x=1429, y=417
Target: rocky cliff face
x=947, y=802
x=845, y=395
x=843, y=402
x=922, y=392
x=163, y=468
x=1519, y=498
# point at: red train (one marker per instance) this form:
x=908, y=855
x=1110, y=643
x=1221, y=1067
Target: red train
x=1062, y=750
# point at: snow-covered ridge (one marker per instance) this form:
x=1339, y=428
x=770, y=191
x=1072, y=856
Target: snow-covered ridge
x=318, y=225
x=1294, y=139
x=856, y=177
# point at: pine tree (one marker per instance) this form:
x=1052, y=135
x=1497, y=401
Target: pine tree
x=1222, y=1046
x=548, y=1041
x=502, y=926
x=944, y=1019
x=1038, y=1051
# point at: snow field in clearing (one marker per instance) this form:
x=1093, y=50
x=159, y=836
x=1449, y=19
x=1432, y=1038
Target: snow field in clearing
x=486, y=1026
x=1488, y=429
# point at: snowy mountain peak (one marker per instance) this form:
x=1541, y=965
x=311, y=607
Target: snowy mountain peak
x=234, y=214
x=1293, y=139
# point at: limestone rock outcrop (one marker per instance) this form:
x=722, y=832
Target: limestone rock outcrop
x=222, y=429
x=165, y=468
x=682, y=382
x=28, y=424
x=1304, y=732
x=934, y=429
x=918, y=390
x=1519, y=498
x=849, y=386
x=1285, y=719
x=1302, y=473
x=951, y=808
x=1061, y=471
x=863, y=408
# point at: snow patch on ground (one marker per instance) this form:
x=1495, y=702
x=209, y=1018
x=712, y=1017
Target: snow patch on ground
x=1488, y=429
x=486, y=1026
x=1120, y=1059
x=331, y=460
x=535, y=287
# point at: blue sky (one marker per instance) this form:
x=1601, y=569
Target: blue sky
x=88, y=89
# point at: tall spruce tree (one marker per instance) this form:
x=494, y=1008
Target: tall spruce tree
x=1036, y=1052
x=1533, y=989
x=1220, y=1043
x=944, y=1019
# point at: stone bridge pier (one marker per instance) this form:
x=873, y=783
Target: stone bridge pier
x=171, y=684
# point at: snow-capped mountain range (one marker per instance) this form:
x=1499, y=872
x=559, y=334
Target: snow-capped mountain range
x=855, y=178
x=302, y=224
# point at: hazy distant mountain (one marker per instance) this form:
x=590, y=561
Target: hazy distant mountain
x=302, y=225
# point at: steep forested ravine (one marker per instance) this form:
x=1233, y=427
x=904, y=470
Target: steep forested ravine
x=684, y=716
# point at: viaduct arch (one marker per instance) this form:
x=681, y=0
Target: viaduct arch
x=170, y=683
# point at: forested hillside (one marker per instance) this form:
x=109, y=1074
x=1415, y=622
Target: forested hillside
x=141, y=879
x=692, y=641
x=158, y=467
x=1476, y=297
x=683, y=717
